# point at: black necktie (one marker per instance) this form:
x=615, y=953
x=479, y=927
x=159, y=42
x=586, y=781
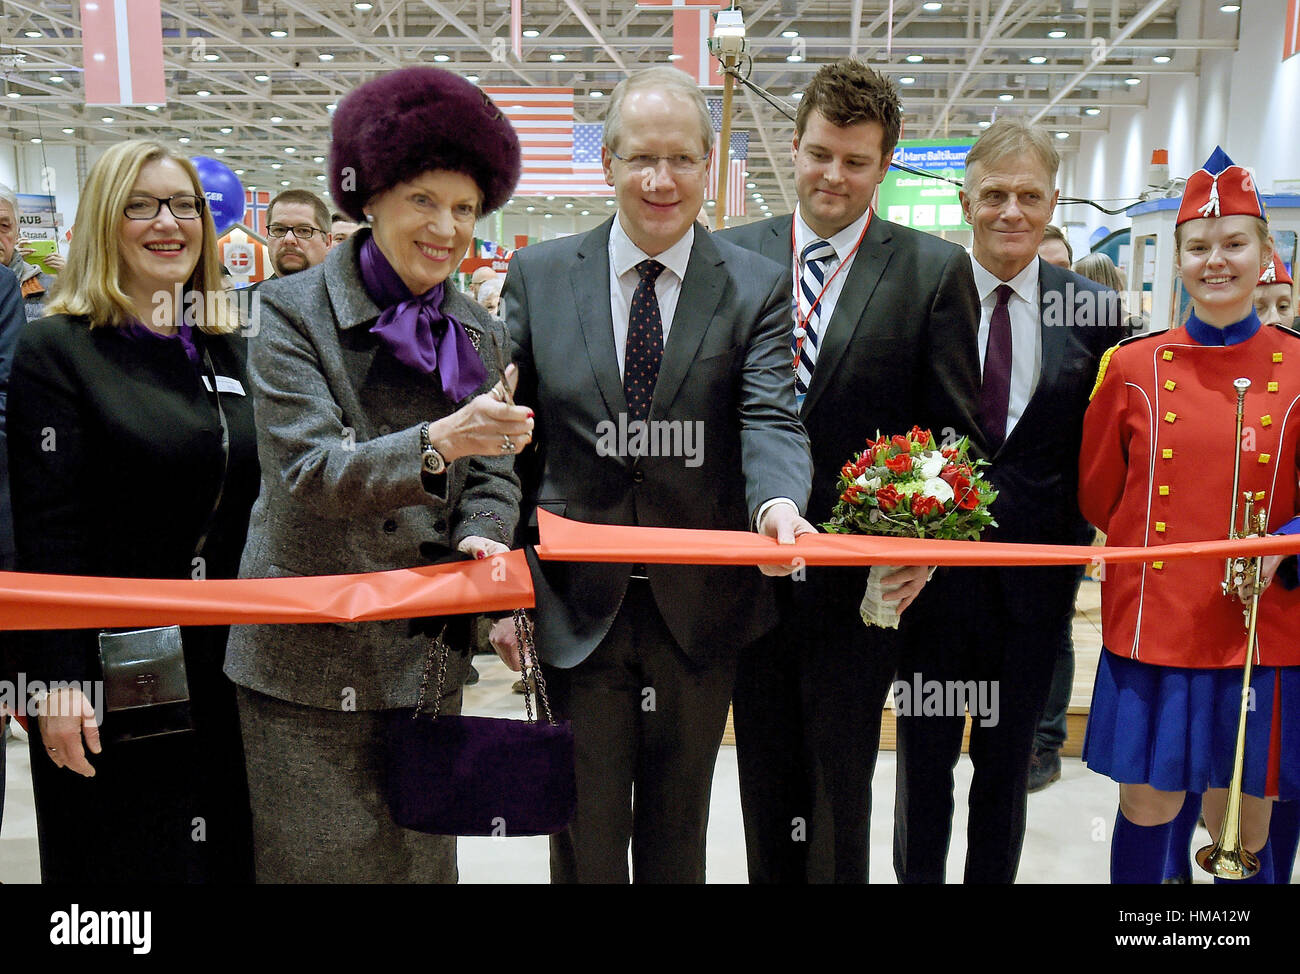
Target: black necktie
x=995, y=393
x=645, y=342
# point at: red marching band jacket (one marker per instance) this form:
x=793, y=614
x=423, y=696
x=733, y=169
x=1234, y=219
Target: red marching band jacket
x=1156, y=467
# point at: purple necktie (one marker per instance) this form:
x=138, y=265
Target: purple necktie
x=645, y=342
x=995, y=393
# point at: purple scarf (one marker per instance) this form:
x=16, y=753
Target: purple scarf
x=137, y=331
x=416, y=330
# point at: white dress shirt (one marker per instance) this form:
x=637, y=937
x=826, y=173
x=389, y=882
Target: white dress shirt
x=624, y=255
x=843, y=242
x=1026, y=341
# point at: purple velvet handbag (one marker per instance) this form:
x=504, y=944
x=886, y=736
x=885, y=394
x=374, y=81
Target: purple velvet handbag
x=481, y=775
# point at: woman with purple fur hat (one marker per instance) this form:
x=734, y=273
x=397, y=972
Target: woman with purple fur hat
x=387, y=441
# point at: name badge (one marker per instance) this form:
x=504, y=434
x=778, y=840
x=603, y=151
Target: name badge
x=224, y=384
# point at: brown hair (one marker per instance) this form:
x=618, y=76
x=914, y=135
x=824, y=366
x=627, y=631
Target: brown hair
x=1099, y=268
x=306, y=196
x=1053, y=232
x=846, y=92
x=1014, y=136
x=91, y=283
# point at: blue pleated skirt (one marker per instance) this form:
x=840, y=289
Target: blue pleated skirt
x=1175, y=728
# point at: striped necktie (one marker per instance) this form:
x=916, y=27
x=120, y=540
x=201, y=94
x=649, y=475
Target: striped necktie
x=812, y=278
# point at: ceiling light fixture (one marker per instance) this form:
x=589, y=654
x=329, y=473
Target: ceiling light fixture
x=915, y=58
x=1038, y=59
x=1056, y=34
x=1162, y=59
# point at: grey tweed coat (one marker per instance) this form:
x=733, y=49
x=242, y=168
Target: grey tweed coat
x=338, y=423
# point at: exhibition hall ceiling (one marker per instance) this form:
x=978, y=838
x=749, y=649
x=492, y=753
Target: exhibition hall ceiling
x=253, y=81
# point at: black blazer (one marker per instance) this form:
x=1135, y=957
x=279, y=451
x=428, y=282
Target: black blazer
x=726, y=371
x=900, y=348
x=1036, y=470
x=115, y=460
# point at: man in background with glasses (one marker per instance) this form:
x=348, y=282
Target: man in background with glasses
x=297, y=230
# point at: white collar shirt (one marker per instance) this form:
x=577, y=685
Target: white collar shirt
x=837, y=270
x=624, y=255
x=1026, y=341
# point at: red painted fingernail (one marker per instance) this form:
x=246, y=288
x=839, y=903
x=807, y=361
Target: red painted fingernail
x=480, y=554
x=530, y=414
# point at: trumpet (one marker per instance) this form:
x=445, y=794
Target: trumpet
x=1226, y=858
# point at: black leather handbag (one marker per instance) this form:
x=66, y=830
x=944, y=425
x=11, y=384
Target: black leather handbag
x=451, y=775
x=146, y=689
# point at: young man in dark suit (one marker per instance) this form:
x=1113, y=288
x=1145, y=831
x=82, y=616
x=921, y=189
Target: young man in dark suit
x=650, y=326
x=1042, y=333
x=884, y=339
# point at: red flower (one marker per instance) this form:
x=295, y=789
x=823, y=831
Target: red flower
x=919, y=436
x=861, y=466
x=847, y=471
x=888, y=498
x=902, y=443
x=851, y=494
x=967, y=497
x=899, y=464
x=923, y=505
x=950, y=473
x=949, y=451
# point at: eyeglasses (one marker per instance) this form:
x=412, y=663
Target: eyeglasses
x=303, y=232
x=184, y=207
x=680, y=164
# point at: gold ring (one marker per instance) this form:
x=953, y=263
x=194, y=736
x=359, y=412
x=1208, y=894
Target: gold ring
x=506, y=445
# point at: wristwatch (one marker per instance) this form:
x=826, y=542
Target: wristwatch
x=431, y=461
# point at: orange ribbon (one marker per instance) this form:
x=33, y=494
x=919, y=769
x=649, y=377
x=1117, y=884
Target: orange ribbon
x=29, y=601
x=565, y=540
x=495, y=584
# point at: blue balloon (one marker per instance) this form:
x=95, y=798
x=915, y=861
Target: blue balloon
x=224, y=191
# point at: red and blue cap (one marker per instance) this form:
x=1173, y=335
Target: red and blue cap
x=1220, y=188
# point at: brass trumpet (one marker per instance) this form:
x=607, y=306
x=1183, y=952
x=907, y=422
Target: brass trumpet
x=1226, y=858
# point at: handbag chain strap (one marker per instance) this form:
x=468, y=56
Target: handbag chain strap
x=530, y=664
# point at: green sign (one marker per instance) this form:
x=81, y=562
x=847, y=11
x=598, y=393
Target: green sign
x=926, y=202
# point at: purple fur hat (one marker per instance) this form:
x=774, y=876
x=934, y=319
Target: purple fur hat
x=415, y=120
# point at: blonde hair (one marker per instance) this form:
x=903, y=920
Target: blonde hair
x=1099, y=268
x=91, y=283
x=1014, y=136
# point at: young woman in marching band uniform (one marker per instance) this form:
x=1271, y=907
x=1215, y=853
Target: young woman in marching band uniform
x=1156, y=467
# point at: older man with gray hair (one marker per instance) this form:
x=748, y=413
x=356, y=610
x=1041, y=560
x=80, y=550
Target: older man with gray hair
x=1042, y=332
x=33, y=282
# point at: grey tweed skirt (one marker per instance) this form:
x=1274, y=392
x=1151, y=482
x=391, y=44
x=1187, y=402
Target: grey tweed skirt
x=315, y=778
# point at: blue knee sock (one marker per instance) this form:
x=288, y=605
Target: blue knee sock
x=1137, y=852
x=1284, y=836
x=1265, y=874
x=1178, y=861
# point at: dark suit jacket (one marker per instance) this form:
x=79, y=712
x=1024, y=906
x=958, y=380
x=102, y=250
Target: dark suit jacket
x=726, y=367
x=900, y=347
x=1036, y=470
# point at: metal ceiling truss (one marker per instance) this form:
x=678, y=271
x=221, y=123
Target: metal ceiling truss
x=972, y=55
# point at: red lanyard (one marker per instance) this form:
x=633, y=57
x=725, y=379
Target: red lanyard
x=802, y=320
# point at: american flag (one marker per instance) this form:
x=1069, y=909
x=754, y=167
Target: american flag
x=256, y=204
x=560, y=158
x=121, y=51
x=735, y=172
x=1291, y=32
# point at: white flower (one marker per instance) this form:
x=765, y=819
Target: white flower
x=872, y=484
x=939, y=489
x=930, y=464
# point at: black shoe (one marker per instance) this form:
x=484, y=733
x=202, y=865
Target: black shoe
x=473, y=676
x=1044, y=768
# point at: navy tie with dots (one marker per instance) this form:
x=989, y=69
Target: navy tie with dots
x=645, y=342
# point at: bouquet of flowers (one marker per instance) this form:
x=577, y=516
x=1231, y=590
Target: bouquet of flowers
x=907, y=487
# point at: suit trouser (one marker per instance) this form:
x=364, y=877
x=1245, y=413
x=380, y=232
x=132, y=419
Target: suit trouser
x=1053, y=728
x=1006, y=655
x=808, y=705
x=647, y=724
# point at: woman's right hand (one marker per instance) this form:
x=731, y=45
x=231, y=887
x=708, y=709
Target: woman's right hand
x=487, y=425
x=65, y=716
